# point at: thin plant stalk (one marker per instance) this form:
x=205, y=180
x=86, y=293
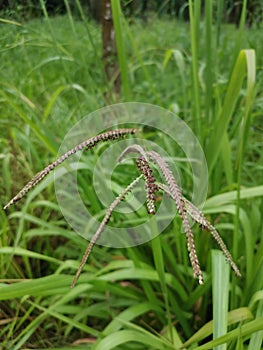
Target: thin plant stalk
x=210, y=66
x=194, y=13
x=220, y=294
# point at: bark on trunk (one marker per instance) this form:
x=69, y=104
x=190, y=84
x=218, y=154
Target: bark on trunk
x=110, y=60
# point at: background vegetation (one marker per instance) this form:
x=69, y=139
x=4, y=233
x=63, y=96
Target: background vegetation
x=52, y=74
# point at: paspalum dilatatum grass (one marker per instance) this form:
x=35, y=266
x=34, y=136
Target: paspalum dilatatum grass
x=144, y=163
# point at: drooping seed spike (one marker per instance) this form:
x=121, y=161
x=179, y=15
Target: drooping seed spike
x=199, y=217
x=174, y=188
x=132, y=149
x=102, y=225
x=177, y=196
x=88, y=144
x=144, y=167
x=150, y=186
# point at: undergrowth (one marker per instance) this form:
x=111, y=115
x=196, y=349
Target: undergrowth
x=51, y=75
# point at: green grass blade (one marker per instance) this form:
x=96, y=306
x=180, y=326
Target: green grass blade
x=38, y=128
x=159, y=265
x=129, y=314
x=85, y=20
x=7, y=21
x=220, y=292
x=51, y=312
x=194, y=12
x=251, y=80
x=121, y=50
x=256, y=340
x=235, y=316
x=147, y=76
x=243, y=331
x=148, y=340
x=256, y=303
x=227, y=159
x=25, y=334
x=180, y=62
x=228, y=197
x=50, y=285
x=210, y=67
x=27, y=253
x=240, y=71
x=241, y=27
x=146, y=285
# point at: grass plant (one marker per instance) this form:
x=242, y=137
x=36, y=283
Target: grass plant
x=142, y=297
x=183, y=206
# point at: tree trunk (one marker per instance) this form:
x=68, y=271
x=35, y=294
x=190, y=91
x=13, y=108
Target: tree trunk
x=109, y=55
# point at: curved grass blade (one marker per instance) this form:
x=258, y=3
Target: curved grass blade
x=241, y=70
x=220, y=294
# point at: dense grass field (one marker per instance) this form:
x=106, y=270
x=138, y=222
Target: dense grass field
x=143, y=297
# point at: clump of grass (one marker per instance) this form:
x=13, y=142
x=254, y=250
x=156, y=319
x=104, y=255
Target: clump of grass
x=183, y=206
x=45, y=77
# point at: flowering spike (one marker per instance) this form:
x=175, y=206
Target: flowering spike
x=150, y=185
x=100, y=229
x=199, y=217
x=88, y=144
x=177, y=196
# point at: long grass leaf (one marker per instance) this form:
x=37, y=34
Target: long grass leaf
x=220, y=292
x=251, y=79
x=38, y=128
x=50, y=285
x=130, y=314
x=256, y=339
x=234, y=316
x=194, y=13
x=159, y=265
x=121, y=50
x=228, y=197
x=244, y=330
x=27, y=253
x=210, y=63
x=233, y=90
x=125, y=336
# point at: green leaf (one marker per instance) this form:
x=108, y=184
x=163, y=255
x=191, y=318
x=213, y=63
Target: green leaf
x=243, y=331
x=122, y=57
x=130, y=314
x=234, y=316
x=50, y=285
x=231, y=196
x=220, y=292
x=245, y=67
x=113, y=340
x=28, y=253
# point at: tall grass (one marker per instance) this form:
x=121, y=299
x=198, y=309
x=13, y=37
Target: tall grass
x=143, y=297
